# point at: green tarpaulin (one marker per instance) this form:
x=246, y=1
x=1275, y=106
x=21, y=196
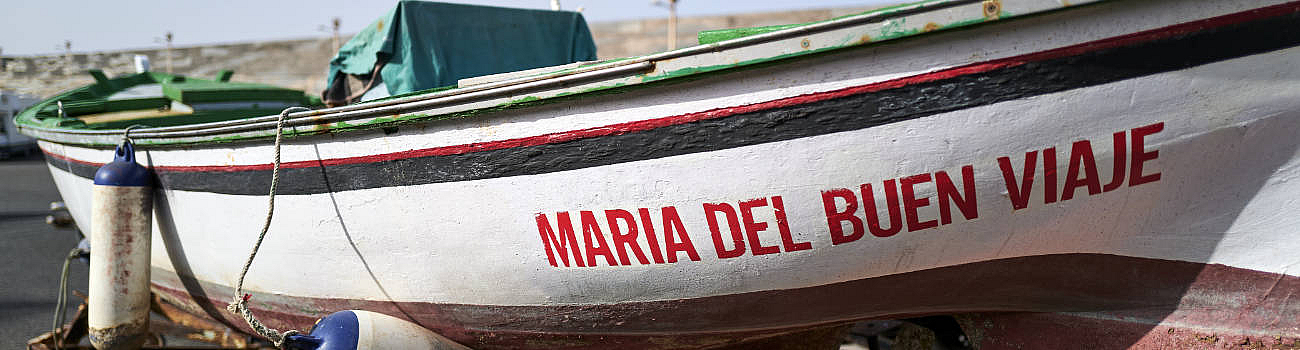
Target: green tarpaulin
x=425, y=45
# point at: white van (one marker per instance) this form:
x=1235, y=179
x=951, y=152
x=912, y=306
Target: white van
x=11, y=141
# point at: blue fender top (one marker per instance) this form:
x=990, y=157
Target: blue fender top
x=123, y=171
x=338, y=331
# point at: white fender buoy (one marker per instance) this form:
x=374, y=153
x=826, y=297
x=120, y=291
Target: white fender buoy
x=361, y=330
x=121, y=205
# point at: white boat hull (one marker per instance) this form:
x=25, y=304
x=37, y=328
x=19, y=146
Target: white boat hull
x=1163, y=172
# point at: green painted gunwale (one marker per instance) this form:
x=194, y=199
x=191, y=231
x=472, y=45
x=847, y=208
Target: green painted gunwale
x=891, y=31
x=95, y=98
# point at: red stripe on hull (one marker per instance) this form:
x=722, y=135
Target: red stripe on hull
x=1147, y=291
x=69, y=159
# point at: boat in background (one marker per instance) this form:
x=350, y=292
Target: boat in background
x=153, y=99
x=1117, y=173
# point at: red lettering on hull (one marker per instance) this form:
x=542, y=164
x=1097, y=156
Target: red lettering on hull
x=559, y=244
x=1082, y=170
x=560, y=241
x=901, y=204
x=745, y=227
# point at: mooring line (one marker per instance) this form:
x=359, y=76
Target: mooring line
x=239, y=305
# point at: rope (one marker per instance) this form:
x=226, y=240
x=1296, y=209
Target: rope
x=126, y=133
x=61, y=305
x=239, y=304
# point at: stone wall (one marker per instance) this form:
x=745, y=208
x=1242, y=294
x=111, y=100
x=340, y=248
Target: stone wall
x=302, y=63
x=640, y=37
x=298, y=64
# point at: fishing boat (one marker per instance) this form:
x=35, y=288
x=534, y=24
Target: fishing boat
x=1114, y=173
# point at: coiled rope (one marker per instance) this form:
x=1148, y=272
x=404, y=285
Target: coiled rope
x=239, y=305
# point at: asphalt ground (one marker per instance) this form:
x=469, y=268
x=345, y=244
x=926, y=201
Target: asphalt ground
x=31, y=253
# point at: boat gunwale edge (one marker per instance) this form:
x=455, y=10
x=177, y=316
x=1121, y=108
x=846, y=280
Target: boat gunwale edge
x=476, y=93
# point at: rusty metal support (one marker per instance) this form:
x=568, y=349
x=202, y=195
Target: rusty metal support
x=70, y=333
x=179, y=322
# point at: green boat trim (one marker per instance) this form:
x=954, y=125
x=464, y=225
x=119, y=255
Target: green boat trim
x=562, y=84
x=716, y=35
x=158, y=99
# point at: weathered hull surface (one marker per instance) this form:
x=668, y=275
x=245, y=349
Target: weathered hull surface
x=1128, y=165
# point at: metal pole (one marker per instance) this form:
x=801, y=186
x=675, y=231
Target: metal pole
x=169, y=53
x=672, y=24
x=337, y=23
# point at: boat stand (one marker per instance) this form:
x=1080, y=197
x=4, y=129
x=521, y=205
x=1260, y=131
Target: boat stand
x=166, y=322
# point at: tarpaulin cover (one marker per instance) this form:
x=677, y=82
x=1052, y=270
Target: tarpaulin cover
x=430, y=44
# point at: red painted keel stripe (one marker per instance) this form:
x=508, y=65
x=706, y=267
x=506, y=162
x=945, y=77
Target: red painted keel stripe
x=642, y=125
x=1150, y=291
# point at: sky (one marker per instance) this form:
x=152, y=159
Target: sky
x=35, y=27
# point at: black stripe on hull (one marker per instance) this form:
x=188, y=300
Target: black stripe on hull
x=772, y=125
x=78, y=169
